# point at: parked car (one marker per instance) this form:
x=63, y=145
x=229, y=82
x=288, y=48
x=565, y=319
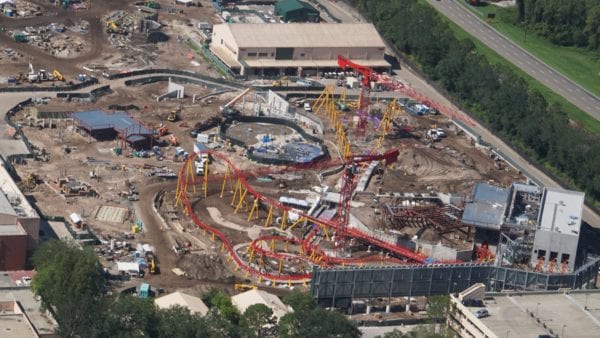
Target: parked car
x=481, y=313
x=307, y=107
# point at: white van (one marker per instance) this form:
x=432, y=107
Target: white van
x=307, y=107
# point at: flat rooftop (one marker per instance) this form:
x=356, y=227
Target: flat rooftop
x=300, y=35
x=509, y=317
x=12, y=200
x=118, y=121
x=31, y=307
x=12, y=230
x=488, y=206
x=562, y=211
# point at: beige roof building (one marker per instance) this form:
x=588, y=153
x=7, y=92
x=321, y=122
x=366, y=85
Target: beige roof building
x=277, y=49
x=245, y=299
x=194, y=304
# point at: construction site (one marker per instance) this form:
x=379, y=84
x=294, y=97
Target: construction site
x=187, y=178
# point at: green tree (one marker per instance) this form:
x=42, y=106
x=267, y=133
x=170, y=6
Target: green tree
x=299, y=301
x=69, y=281
x=309, y=320
x=216, y=298
x=256, y=317
x=178, y=321
x=131, y=316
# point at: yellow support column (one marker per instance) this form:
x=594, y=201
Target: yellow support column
x=280, y=266
x=300, y=219
x=254, y=209
x=269, y=217
x=235, y=191
x=205, y=181
x=227, y=170
x=283, y=219
x=272, y=245
x=242, y=196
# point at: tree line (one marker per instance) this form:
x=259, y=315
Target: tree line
x=565, y=23
x=494, y=93
x=72, y=286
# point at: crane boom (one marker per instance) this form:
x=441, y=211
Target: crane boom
x=363, y=103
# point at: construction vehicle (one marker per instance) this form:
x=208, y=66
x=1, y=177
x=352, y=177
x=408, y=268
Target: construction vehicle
x=44, y=76
x=162, y=131
x=174, y=115
x=32, y=76
x=152, y=263
x=112, y=27
x=152, y=4
x=58, y=76
x=173, y=140
x=243, y=287
x=19, y=37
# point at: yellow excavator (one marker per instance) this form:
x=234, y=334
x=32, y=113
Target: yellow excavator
x=112, y=27
x=173, y=115
x=243, y=287
x=57, y=75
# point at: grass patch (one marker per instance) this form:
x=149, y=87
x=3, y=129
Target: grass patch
x=580, y=117
x=579, y=64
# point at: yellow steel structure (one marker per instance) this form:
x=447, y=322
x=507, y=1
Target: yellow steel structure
x=205, y=180
x=269, y=217
x=253, y=209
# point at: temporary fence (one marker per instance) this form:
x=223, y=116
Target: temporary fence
x=73, y=87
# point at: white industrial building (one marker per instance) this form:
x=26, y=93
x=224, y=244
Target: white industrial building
x=296, y=48
x=194, y=304
x=557, y=234
x=245, y=299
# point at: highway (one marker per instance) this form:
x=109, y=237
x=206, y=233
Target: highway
x=420, y=85
x=531, y=65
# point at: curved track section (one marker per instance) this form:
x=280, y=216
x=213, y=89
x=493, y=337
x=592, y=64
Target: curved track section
x=308, y=251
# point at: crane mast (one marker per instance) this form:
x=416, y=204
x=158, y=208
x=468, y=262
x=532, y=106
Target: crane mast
x=350, y=168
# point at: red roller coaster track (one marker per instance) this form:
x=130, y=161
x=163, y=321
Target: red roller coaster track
x=308, y=248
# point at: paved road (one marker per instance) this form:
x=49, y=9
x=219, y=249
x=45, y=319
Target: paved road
x=420, y=85
x=559, y=83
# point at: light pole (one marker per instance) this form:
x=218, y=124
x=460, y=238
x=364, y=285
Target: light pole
x=537, y=308
x=562, y=335
x=507, y=332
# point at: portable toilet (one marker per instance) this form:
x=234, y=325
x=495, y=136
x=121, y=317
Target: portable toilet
x=144, y=290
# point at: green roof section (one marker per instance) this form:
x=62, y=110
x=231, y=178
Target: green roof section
x=292, y=9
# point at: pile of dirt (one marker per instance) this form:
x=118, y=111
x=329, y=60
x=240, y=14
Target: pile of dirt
x=206, y=267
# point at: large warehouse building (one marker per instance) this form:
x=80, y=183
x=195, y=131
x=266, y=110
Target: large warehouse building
x=297, y=48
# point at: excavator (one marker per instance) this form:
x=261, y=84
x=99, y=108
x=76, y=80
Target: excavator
x=112, y=27
x=58, y=76
x=32, y=76
x=174, y=115
x=243, y=287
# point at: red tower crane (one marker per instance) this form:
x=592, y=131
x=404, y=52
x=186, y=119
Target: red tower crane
x=343, y=212
x=363, y=104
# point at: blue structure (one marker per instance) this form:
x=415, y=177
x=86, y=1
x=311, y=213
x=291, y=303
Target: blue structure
x=144, y=290
x=488, y=206
x=102, y=125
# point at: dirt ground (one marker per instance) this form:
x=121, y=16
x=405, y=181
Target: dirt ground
x=451, y=165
